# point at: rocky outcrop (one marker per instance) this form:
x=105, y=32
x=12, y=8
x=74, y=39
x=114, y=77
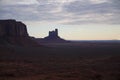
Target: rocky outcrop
x=12, y=28
x=52, y=37
x=13, y=32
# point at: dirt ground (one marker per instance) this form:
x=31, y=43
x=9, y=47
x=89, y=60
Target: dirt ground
x=61, y=61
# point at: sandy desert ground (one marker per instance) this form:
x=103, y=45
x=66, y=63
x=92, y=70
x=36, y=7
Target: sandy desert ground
x=61, y=61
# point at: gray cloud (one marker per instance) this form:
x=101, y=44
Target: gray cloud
x=64, y=12
x=18, y=12
x=82, y=7
x=104, y=12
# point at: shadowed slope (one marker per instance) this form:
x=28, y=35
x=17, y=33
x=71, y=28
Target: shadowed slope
x=13, y=32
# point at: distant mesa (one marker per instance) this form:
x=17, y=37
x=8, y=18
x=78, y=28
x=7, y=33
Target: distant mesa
x=14, y=32
x=52, y=37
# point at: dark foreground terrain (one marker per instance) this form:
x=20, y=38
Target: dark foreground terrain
x=61, y=61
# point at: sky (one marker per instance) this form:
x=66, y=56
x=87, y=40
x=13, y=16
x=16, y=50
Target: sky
x=75, y=19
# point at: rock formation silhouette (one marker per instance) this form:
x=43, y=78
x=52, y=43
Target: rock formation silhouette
x=52, y=37
x=14, y=32
x=12, y=28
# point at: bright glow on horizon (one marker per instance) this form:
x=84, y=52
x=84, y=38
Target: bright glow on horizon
x=75, y=19
x=75, y=32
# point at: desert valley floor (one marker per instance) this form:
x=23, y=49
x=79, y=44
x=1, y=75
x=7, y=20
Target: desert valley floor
x=61, y=61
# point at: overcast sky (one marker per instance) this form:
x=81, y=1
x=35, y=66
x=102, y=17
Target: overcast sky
x=41, y=15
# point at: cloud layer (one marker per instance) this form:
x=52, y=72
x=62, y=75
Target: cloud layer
x=62, y=11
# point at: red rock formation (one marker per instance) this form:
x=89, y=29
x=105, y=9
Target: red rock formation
x=12, y=28
x=52, y=37
x=15, y=33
